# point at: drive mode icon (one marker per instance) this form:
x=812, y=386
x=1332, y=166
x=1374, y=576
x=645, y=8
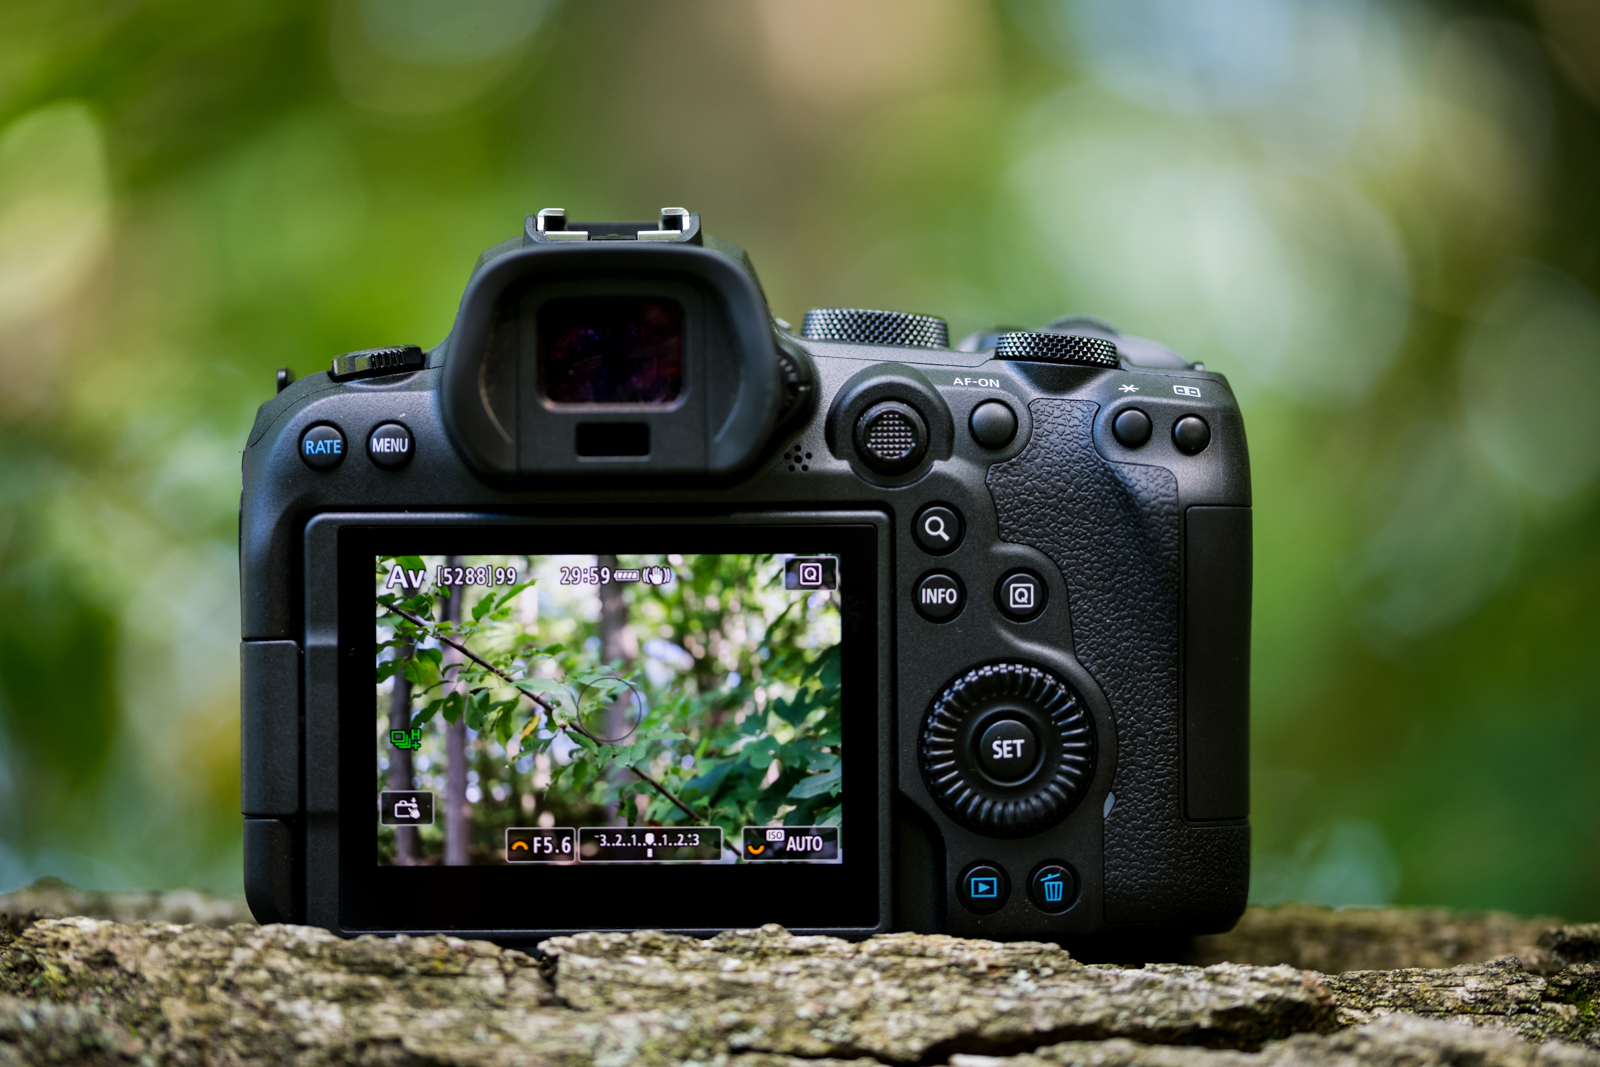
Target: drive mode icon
x=405, y=807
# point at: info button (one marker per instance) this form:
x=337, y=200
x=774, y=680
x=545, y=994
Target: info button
x=939, y=596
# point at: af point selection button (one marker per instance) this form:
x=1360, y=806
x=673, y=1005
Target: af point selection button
x=938, y=529
x=390, y=446
x=322, y=446
x=939, y=596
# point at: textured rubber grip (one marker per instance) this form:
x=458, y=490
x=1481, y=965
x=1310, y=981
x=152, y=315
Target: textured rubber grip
x=1114, y=530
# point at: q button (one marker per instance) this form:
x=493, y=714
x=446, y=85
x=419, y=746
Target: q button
x=938, y=529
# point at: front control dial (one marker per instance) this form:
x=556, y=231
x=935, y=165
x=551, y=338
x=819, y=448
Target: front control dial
x=864, y=327
x=1043, y=762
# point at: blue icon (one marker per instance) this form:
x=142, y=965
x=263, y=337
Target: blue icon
x=983, y=888
x=1053, y=887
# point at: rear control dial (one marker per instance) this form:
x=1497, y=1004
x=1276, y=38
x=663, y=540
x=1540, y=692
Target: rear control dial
x=1007, y=750
x=891, y=437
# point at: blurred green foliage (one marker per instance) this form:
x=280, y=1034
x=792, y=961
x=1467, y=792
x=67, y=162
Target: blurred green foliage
x=1380, y=218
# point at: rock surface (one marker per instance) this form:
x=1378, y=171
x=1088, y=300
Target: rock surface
x=86, y=990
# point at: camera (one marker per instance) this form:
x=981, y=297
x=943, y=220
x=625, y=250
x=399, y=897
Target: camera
x=629, y=605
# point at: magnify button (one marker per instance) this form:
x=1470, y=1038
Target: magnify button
x=938, y=529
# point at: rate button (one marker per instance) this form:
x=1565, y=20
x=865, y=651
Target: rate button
x=322, y=447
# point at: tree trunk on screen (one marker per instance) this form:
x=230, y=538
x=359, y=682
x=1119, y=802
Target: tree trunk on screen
x=405, y=837
x=616, y=649
x=457, y=814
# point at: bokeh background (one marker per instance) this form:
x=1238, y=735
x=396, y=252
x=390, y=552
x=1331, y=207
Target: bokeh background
x=1379, y=218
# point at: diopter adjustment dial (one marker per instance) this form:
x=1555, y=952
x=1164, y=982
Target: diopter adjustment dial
x=1007, y=750
x=1039, y=346
x=864, y=327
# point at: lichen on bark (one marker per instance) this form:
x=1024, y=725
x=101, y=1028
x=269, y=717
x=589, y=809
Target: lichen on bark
x=81, y=990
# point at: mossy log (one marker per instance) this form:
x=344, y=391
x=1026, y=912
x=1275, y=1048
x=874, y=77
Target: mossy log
x=1480, y=990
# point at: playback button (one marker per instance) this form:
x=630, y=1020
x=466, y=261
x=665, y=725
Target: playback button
x=984, y=888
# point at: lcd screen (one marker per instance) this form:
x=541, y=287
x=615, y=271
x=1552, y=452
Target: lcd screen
x=584, y=710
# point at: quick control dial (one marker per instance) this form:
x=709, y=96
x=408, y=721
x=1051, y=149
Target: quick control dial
x=864, y=327
x=1007, y=750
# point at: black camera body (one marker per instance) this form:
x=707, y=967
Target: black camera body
x=990, y=618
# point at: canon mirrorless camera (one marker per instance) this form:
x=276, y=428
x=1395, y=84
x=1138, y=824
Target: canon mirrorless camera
x=630, y=606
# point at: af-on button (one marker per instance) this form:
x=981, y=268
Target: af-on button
x=390, y=446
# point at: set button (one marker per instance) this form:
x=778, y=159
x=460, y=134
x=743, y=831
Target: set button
x=1007, y=751
x=983, y=888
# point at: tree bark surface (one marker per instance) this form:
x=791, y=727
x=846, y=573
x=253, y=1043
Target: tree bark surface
x=116, y=981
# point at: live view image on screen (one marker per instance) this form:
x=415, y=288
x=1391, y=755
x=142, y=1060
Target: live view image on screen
x=608, y=709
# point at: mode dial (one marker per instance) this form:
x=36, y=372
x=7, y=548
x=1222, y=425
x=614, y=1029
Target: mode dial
x=1007, y=750
x=1037, y=346
x=863, y=327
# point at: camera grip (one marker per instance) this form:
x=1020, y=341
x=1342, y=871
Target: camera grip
x=1114, y=530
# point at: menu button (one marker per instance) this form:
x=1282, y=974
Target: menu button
x=390, y=446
